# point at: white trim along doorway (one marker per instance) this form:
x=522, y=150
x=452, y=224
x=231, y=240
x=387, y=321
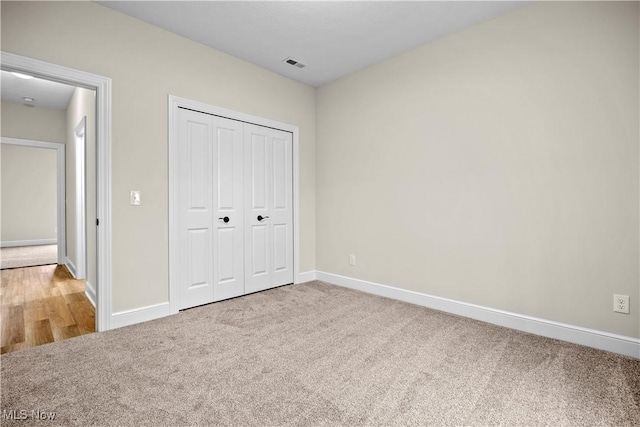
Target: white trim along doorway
x=80, y=148
x=102, y=86
x=175, y=104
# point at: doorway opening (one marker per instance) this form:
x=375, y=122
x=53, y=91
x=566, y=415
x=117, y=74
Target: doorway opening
x=79, y=282
x=32, y=177
x=49, y=293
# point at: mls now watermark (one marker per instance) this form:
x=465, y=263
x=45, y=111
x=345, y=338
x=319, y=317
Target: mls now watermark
x=23, y=414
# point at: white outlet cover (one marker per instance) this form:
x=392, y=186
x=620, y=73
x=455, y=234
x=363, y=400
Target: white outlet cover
x=621, y=303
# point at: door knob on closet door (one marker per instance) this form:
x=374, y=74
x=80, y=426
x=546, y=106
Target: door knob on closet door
x=225, y=219
x=260, y=217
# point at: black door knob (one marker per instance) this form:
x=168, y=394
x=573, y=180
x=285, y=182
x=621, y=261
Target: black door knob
x=225, y=219
x=260, y=217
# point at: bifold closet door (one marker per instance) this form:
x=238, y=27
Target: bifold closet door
x=210, y=197
x=268, y=193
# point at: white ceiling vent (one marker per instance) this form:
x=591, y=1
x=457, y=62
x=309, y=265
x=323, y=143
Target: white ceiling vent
x=294, y=62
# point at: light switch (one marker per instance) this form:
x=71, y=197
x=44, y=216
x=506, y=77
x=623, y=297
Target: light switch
x=134, y=198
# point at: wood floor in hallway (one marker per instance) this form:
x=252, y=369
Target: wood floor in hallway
x=40, y=305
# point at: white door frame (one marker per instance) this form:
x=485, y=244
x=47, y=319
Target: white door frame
x=102, y=86
x=60, y=186
x=177, y=102
x=80, y=149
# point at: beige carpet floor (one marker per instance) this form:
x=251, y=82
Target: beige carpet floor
x=317, y=354
x=28, y=256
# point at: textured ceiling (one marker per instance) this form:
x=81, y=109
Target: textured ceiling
x=334, y=38
x=46, y=93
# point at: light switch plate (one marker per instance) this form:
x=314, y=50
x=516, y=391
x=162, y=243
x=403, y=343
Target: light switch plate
x=134, y=198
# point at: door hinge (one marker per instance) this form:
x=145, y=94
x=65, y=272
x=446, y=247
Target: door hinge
x=97, y=222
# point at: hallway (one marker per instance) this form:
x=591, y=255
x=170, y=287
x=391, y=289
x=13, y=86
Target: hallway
x=40, y=305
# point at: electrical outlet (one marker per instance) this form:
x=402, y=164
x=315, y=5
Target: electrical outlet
x=621, y=303
x=352, y=260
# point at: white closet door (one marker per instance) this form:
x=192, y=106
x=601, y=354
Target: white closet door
x=195, y=197
x=210, y=187
x=228, y=205
x=268, y=164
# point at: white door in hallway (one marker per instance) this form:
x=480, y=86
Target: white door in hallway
x=268, y=159
x=235, y=198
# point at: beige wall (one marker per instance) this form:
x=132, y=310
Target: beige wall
x=146, y=65
x=28, y=175
x=29, y=194
x=82, y=104
x=496, y=166
x=35, y=123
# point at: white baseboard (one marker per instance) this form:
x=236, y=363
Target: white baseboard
x=601, y=340
x=139, y=315
x=90, y=292
x=37, y=242
x=306, y=276
x=156, y=311
x=71, y=267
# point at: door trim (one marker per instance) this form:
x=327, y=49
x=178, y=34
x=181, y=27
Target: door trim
x=174, y=103
x=80, y=148
x=102, y=86
x=60, y=189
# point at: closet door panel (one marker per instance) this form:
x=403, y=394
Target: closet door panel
x=257, y=169
x=281, y=191
x=282, y=207
x=268, y=208
x=228, y=216
x=195, y=209
x=257, y=173
x=280, y=248
x=259, y=253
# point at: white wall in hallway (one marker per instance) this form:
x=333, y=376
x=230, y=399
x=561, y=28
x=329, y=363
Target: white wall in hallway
x=28, y=193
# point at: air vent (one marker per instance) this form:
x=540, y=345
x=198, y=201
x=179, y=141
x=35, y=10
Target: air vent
x=294, y=62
